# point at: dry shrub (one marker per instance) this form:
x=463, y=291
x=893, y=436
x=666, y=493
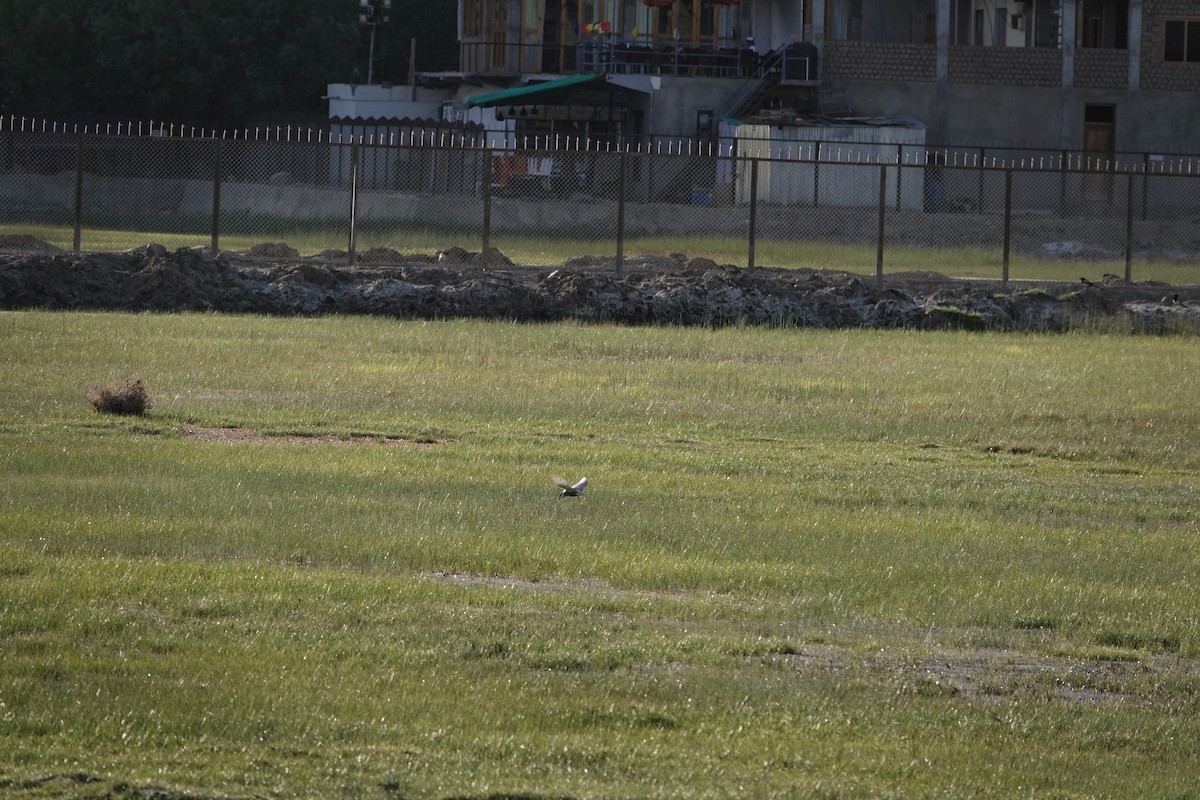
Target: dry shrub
x=131, y=399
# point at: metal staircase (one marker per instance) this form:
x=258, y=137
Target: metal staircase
x=756, y=89
x=792, y=67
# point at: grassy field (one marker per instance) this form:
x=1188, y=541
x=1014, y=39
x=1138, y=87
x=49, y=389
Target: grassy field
x=330, y=562
x=964, y=262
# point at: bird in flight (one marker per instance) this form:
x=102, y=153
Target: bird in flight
x=569, y=490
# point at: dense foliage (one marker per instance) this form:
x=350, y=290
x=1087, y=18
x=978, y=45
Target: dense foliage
x=200, y=59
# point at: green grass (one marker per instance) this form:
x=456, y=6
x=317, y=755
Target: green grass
x=965, y=262
x=811, y=563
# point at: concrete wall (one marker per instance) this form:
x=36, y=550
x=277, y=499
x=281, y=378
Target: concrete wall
x=1016, y=95
x=671, y=108
x=1031, y=116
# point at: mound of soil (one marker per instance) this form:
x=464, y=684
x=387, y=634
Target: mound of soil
x=24, y=243
x=674, y=289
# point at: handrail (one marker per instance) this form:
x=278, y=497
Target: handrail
x=765, y=73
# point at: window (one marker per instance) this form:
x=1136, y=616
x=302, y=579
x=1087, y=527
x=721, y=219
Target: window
x=1103, y=24
x=1182, y=40
x=472, y=18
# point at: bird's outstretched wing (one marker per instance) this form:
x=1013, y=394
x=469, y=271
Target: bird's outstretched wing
x=569, y=490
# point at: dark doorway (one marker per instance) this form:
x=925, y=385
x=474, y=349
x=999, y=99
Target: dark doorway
x=1099, y=145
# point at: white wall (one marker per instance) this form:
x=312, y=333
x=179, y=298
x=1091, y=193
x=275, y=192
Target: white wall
x=786, y=26
x=790, y=174
x=383, y=102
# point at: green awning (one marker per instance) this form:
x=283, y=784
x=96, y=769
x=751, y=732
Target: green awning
x=586, y=89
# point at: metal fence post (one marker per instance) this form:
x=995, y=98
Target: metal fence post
x=354, y=157
x=817, y=175
x=982, y=175
x=216, y=201
x=621, y=165
x=78, y=222
x=1129, y=229
x=648, y=182
x=879, y=240
x=1064, y=165
x=1008, y=176
x=753, y=233
x=488, y=168
x=1145, y=184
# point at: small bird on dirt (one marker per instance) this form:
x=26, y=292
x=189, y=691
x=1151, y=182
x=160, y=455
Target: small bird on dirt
x=1086, y=282
x=570, y=490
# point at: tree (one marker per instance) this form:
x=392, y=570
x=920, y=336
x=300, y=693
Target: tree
x=222, y=59
x=433, y=24
x=43, y=47
x=199, y=60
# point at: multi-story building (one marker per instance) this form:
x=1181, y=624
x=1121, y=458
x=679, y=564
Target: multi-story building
x=1101, y=76
x=1104, y=76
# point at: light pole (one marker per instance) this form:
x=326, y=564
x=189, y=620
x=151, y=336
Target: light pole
x=374, y=13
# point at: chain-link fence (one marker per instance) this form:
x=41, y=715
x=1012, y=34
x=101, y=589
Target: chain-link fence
x=873, y=209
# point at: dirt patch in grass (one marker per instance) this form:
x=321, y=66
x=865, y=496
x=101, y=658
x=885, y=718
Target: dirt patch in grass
x=931, y=663
x=249, y=436
x=994, y=674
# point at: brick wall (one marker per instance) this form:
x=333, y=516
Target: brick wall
x=1157, y=73
x=1040, y=67
x=1007, y=66
x=1101, y=69
x=880, y=61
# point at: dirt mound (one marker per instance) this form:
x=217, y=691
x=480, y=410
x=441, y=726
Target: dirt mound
x=380, y=255
x=459, y=255
x=673, y=289
x=274, y=250
x=24, y=243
